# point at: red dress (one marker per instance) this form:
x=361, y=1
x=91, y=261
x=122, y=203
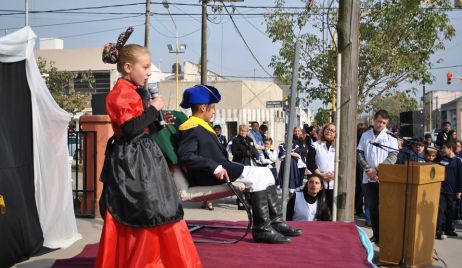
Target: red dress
x=143, y=225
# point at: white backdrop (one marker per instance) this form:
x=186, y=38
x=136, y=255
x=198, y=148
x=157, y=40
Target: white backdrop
x=53, y=188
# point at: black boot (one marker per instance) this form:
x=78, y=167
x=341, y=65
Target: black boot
x=262, y=231
x=275, y=213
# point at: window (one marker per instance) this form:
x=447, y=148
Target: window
x=102, y=82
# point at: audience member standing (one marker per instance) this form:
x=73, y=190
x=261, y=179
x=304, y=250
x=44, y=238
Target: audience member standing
x=443, y=136
x=294, y=173
x=244, y=152
x=321, y=160
x=360, y=201
x=243, y=148
x=221, y=138
x=268, y=157
x=370, y=157
x=299, y=142
x=256, y=136
x=451, y=189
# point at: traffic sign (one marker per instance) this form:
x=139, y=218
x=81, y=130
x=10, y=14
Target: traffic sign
x=274, y=104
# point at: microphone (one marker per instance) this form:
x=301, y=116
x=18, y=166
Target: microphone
x=154, y=93
x=393, y=135
x=375, y=143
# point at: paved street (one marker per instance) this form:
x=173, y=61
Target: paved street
x=449, y=250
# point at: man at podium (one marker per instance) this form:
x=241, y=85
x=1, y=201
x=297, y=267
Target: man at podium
x=375, y=147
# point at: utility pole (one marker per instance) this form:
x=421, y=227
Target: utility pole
x=348, y=46
x=26, y=12
x=147, y=23
x=204, y=43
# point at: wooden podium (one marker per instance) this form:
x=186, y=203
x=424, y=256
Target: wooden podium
x=424, y=183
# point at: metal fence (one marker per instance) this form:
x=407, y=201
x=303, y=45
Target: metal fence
x=82, y=149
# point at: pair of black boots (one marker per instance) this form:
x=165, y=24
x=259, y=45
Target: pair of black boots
x=268, y=225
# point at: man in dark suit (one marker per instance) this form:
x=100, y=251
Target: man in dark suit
x=206, y=163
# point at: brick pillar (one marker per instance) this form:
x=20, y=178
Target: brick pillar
x=102, y=125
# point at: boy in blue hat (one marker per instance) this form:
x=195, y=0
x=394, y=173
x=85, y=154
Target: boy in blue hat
x=206, y=162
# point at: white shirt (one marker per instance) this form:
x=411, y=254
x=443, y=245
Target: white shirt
x=273, y=157
x=373, y=154
x=304, y=211
x=325, y=160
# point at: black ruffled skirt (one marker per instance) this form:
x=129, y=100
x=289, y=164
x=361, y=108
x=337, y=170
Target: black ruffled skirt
x=138, y=186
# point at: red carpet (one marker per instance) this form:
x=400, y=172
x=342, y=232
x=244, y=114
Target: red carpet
x=324, y=244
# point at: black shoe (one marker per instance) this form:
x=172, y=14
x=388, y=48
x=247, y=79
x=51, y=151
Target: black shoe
x=270, y=236
x=451, y=233
x=286, y=229
x=262, y=231
x=275, y=213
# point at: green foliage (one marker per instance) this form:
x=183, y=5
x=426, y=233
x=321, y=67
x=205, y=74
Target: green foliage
x=60, y=84
x=394, y=104
x=322, y=117
x=397, y=39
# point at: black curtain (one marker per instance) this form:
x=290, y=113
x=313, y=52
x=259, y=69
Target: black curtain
x=20, y=232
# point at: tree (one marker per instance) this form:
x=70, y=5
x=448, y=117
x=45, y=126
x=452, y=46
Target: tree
x=394, y=104
x=322, y=117
x=397, y=39
x=60, y=84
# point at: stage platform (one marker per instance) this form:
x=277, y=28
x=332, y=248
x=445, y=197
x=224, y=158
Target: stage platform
x=323, y=244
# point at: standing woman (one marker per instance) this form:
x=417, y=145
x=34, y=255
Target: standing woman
x=143, y=216
x=321, y=160
x=299, y=142
x=309, y=204
x=243, y=147
x=294, y=175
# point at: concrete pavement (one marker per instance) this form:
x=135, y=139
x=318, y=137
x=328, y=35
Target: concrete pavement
x=225, y=209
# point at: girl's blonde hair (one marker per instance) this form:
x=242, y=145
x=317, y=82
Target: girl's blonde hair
x=129, y=53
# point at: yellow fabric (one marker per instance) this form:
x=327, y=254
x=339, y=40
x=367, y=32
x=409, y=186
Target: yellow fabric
x=2, y=205
x=193, y=122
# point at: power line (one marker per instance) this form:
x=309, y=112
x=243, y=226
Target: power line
x=245, y=42
x=446, y=67
x=67, y=23
x=169, y=36
x=97, y=32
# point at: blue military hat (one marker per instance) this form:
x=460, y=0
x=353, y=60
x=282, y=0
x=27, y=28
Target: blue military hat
x=200, y=94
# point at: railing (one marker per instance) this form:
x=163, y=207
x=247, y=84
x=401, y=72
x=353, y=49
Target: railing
x=82, y=149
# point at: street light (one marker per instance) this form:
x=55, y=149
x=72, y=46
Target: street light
x=179, y=48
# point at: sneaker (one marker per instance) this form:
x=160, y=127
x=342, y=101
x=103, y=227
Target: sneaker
x=451, y=233
x=440, y=236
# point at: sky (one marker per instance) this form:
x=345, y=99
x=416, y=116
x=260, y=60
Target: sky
x=227, y=53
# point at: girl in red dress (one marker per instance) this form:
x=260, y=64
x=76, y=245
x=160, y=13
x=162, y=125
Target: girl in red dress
x=143, y=216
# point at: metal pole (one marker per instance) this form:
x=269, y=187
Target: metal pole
x=423, y=108
x=204, y=43
x=176, y=75
x=290, y=129
x=337, y=137
x=26, y=12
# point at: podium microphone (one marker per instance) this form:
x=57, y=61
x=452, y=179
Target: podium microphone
x=375, y=143
x=154, y=93
x=393, y=135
